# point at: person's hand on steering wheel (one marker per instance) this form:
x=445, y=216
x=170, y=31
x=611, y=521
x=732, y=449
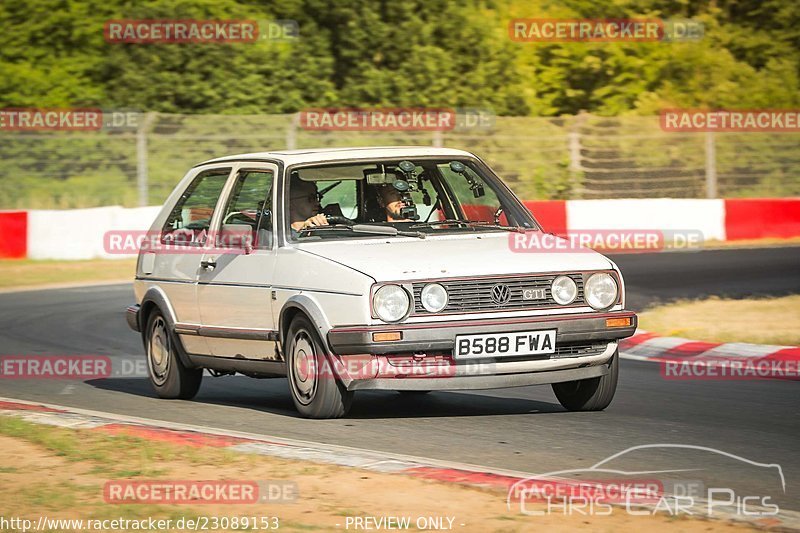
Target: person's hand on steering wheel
x=316, y=220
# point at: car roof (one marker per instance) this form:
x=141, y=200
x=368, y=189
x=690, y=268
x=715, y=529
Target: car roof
x=314, y=155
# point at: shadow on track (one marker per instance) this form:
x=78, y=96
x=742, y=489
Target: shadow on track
x=272, y=396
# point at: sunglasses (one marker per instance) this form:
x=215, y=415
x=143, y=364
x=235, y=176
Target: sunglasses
x=313, y=197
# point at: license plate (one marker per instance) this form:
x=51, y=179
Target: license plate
x=515, y=344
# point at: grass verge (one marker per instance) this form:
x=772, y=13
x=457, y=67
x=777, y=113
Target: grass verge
x=29, y=273
x=60, y=473
x=758, y=321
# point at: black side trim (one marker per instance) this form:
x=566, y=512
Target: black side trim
x=220, y=332
x=250, y=367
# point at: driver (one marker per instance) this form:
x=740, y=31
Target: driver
x=391, y=201
x=304, y=206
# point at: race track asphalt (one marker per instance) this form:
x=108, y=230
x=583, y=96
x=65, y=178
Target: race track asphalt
x=521, y=429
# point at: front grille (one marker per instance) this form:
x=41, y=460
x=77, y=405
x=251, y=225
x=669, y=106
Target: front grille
x=476, y=294
x=578, y=350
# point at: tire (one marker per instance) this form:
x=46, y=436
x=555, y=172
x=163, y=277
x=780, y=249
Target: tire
x=316, y=390
x=169, y=377
x=412, y=393
x=593, y=394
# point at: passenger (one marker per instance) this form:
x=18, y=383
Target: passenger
x=391, y=201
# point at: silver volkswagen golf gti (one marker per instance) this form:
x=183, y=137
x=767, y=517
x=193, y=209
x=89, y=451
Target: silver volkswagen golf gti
x=369, y=268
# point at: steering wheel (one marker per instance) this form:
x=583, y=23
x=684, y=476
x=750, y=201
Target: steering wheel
x=335, y=220
x=239, y=216
x=198, y=224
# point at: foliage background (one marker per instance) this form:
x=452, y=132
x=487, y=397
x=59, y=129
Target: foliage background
x=400, y=52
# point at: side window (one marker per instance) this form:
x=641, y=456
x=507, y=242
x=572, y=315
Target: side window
x=248, y=214
x=190, y=219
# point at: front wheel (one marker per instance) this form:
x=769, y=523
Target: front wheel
x=316, y=391
x=168, y=375
x=593, y=394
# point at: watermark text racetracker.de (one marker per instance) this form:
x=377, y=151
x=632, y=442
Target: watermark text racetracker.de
x=184, y=31
x=548, y=30
x=175, y=492
x=179, y=241
x=395, y=119
x=606, y=240
x=71, y=367
x=75, y=119
x=729, y=368
x=730, y=120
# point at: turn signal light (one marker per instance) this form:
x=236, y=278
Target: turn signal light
x=387, y=336
x=619, y=322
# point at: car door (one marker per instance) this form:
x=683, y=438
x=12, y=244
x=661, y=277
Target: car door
x=234, y=281
x=175, y=263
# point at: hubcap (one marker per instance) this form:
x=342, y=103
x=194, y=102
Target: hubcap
x=158, y=352
x=304, y=368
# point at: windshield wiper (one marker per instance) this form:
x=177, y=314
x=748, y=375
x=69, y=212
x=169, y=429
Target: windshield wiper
x=484, y=224
x=469, y=224
x=441, y=223
x=389, y=231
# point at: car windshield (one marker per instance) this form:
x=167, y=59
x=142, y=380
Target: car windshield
x=417, y=197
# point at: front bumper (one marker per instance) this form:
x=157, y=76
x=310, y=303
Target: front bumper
x=132, y=316
x=422, y=359
x=440, y=336
x=478, y=375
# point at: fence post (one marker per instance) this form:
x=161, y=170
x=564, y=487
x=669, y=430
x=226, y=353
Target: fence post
x=141, y=159
x=711, y=166
x=574, y=147
x=438, y=140
x=574, y=151
x=291, y=133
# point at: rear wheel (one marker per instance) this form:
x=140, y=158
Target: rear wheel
x=316, y=390
x=168, y=375
x=593, y=394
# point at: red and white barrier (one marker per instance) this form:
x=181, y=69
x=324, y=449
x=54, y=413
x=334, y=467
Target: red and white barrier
x=664, y=214
x=716, y=219
x=689, y=359
x=13, y=234
x=69, y=234
x=78, y=233
x=758, y=218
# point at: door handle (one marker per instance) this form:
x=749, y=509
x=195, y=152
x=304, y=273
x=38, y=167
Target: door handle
x=208, y=264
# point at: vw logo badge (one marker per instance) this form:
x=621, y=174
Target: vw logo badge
x=501, y=294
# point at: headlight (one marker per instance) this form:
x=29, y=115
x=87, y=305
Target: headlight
x=434, y=297
x=391, y=303
x=564, y=290
x=600, y=290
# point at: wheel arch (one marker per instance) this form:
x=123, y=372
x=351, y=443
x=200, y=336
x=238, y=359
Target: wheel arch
x=155, y=298
x=303, y=304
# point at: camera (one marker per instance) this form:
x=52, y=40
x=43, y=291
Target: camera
x=409, y=212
